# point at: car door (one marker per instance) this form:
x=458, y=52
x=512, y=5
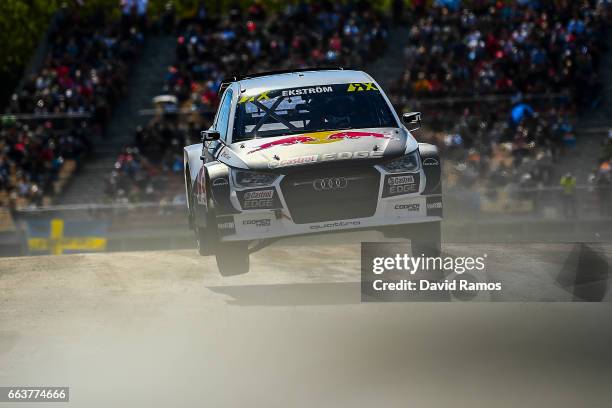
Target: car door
x=220, y=124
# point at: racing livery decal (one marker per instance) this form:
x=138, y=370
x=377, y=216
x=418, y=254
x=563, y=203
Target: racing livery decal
x=307, y=91
x=366, y=86
x=410, y=207
x=319, y=138
x=335, y=224
x=201, y=188
x=261, y=222
x=296, y=161
x=397, y=184
x=261, y=97
x=226, y=226
x=259, y=199
x=434, y=206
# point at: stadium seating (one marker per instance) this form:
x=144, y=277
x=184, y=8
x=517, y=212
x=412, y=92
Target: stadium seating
x=64, y=105
x=501, y=85
x=508, y=76
x=209, y=50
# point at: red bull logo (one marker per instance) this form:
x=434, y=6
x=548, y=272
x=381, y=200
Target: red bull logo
x=319, y=138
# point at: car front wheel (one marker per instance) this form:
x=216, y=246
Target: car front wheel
x=206, y=239
x=233, y=258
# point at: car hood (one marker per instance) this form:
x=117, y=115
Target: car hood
x=306, y=149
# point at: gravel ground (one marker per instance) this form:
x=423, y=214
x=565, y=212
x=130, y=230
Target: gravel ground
x=159, y=329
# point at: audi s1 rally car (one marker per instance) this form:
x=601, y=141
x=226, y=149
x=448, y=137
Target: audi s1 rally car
x=309, y=151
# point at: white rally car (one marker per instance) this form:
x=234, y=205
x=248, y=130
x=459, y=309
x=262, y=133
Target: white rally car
x=309, y=151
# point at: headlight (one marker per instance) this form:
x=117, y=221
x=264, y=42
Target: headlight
x=247, y=179
x=408, y=162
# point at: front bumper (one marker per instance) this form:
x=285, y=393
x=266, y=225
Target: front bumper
x=251, y=225
x=293, y=207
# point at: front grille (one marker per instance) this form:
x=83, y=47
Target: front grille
x=344, y=193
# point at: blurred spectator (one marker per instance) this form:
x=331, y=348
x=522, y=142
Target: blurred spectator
x=504, y=80
x=84, y=73
x=603, y=181
x=303, y=35
x=32, y=154
x=568, y=182
x=490, y=47
x=134, y=12
x=243, y=41
x=152, y=169
x=602, y=177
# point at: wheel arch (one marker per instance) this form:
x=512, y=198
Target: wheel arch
x=430, y=160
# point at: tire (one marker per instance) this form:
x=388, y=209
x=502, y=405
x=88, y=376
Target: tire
x=233, y=258
x=190, y=200
x=207, y=240
x=427, y=241
x=207, y=237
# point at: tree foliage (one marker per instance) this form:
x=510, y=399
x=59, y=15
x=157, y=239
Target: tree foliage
x=22, y=24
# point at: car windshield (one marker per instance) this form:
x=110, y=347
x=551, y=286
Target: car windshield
x=311, y=109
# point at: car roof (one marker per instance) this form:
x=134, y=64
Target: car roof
x=254, y=86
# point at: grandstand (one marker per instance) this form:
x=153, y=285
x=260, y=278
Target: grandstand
x=507, y=87
x=81, y=129
x=61, y=109
x=211, y=49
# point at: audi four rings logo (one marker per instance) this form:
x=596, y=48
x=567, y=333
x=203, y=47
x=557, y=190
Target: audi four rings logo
x=332, y=183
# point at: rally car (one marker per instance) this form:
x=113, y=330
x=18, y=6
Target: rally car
x=309, y=151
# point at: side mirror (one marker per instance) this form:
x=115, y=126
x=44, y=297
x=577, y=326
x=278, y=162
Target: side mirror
x=210, y=135
x=412, y=120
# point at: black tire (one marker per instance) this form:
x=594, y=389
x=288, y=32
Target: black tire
x=427, y=240
x=206, y=239
x=233, y=258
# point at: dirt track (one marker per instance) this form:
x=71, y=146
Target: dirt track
x=164, y=329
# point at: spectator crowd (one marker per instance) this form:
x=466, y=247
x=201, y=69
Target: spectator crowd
x=210, y=49
x=52, y=119
x=601, y=176
x=502, y=83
